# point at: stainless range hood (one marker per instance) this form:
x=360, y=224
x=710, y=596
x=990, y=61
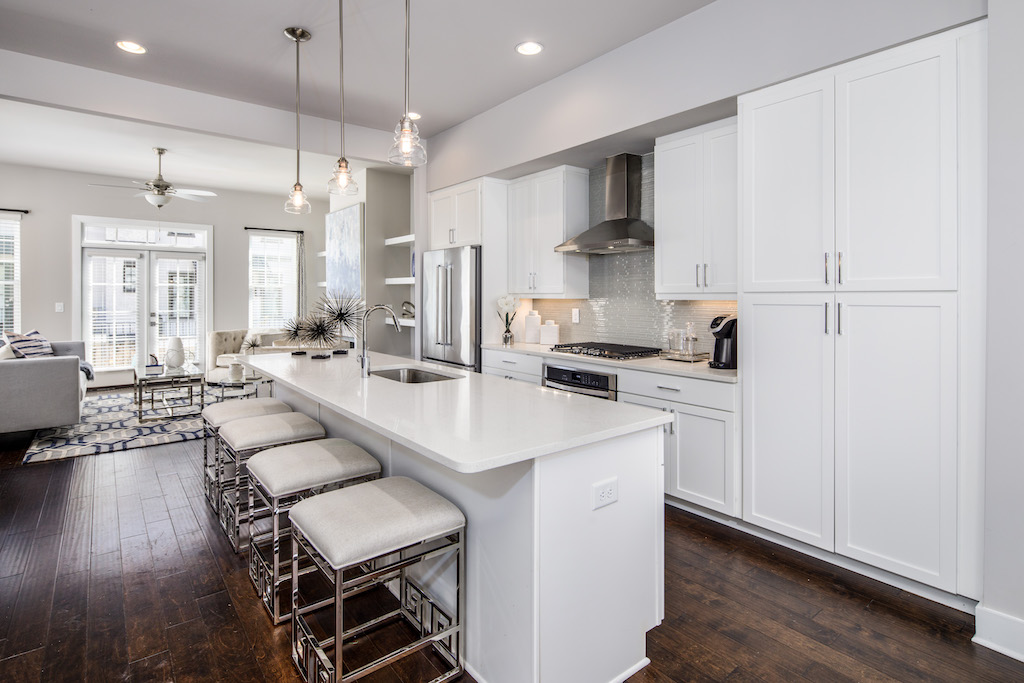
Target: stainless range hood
x=622, y=229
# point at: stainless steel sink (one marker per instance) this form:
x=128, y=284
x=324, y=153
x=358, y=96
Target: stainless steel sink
x=410, y=375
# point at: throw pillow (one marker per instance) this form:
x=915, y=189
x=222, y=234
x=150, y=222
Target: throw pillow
x=6, y=351
x=28, y=345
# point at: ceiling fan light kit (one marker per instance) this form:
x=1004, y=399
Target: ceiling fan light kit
x=342, y=183
x=407, y=150
x=158, y=191
x=297, y=202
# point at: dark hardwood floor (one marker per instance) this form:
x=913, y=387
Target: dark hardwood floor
x=112, y=568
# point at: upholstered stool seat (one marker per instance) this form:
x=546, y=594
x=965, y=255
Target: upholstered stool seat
x=368, y=534
x=278, y=479
x=214, y=417
x=241, y=439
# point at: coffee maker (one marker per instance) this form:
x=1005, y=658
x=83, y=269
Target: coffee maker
x=724, y=329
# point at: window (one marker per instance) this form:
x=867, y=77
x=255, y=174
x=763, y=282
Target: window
x=275, y=277
x=10, y=272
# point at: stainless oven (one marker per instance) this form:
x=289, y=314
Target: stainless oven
x=589, y=382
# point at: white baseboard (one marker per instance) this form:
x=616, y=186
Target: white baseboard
x=1001, y=632
x=618, y=679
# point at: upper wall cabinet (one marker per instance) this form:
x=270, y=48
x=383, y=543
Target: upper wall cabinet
x=849, y=176
x=544, y=210
x=456, y=215
x=695, y=212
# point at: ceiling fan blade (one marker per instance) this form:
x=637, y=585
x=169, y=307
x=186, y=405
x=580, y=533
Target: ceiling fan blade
x=200, y=193
x=192, y=197
x=141, y=194
x=120, y=187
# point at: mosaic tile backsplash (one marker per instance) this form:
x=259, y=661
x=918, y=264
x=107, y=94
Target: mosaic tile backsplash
x=622, y=308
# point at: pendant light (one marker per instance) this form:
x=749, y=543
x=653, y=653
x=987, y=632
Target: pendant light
x=407, y=150
x=297, y=202
x=342, y=183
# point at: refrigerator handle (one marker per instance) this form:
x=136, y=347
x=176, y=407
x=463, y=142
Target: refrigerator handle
x=448, y=306
x=437, y=290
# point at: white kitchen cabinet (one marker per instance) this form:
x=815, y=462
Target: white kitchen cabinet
x=849, y=175
x=695, y=212
x=787, y=167
x=700, y=450
x=456, y=218
x=544, y=210
x=788, y=418
x=896, y=433
x=511, y=365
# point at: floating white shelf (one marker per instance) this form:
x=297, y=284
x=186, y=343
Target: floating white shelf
x=402, y=322
x=321, y=284
x=399, y=280
x=322, y=254
x=401, y=239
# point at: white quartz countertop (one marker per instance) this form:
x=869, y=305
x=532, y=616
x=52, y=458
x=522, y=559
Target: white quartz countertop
x=469, y=424
x=662, y=366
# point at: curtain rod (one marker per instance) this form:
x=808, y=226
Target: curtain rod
x=24, y=211
x=271, y=229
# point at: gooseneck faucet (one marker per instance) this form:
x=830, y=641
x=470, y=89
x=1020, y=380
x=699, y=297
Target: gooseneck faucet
x=364, y=360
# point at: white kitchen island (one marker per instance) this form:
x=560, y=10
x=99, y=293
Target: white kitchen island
x=558, y=589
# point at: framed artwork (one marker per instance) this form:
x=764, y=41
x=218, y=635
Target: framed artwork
x=345, y=257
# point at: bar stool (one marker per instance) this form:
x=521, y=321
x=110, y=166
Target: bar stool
x=241, y=439
x=215, y=417
x=361, y=536
x=278, y=479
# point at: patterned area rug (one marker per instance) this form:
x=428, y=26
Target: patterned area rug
x=110, y=423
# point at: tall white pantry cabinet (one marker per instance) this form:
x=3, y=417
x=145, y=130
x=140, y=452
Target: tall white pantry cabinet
x=862, y=308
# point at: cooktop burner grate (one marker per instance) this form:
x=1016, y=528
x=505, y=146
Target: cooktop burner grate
x=612, y=351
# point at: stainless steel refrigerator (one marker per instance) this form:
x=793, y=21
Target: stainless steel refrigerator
x=450, y=311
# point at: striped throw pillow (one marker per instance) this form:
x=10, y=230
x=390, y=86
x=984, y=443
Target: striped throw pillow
x=28, y=345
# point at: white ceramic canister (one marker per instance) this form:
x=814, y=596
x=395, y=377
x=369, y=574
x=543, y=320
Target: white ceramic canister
x=532, y=322
x=235, y=372
x=549, y=332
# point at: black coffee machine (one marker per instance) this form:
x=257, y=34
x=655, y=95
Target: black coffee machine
x=724, y=329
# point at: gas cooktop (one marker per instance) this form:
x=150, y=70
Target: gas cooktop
x=610, y=351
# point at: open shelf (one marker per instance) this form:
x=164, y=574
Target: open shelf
x=399, y=280
x=321, y=254
x=401, y=239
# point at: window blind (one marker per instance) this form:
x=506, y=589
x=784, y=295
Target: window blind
x=10, y=272
x=275, y=278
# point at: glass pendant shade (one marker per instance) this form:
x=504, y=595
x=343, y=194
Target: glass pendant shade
x=407, y=150
x=297, y=202
x=342, y=182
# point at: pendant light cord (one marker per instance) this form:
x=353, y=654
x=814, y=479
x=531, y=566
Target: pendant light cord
x=407, y=57
x=297, y=111
x=341, y=68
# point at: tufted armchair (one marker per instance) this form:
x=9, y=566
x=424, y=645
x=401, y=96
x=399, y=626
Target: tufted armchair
x=223, y=345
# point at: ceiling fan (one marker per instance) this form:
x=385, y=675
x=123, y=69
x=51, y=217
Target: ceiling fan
x=158, y=191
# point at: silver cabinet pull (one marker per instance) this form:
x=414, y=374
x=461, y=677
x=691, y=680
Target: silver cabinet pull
x=696, y=275
x=826, y=317
x=672, y=424
x=839, y=267
x=839, y=318
x=510, y=362
x=669, y=388
x=826, y=271
x=705, y=275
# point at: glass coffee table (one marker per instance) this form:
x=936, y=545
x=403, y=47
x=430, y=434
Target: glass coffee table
x=179, y=391
x=224, y=387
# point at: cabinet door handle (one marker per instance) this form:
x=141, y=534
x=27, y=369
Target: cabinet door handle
x=696, y=274
x=826, y=317
x=510, y=362
x=839, y=267
x=826, y=271
x=839, y=318
x=669, y=388
x=705, y=275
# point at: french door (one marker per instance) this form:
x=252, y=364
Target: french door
x=135, y=301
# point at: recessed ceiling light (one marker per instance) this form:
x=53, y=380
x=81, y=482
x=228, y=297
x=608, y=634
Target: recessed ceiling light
x=129, y=46
x=414, y=116
x=529, y=48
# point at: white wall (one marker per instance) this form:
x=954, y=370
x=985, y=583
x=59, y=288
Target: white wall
x=46, y=253
x=720, y=51
x=1000, y=617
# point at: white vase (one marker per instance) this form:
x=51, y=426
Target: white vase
x=175, y=356
x=235, y=372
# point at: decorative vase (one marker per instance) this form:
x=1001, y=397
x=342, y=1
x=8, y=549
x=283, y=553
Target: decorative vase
x=235, y=372
x=506, y=338
x=175, y=356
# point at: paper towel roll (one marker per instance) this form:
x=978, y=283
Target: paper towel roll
x=549, y=332
x=532, y=334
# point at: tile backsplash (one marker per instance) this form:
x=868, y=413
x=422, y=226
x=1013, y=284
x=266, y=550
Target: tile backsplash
x=622, y=307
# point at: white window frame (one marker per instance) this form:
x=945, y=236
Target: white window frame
x=299, y=237
x=15, y=218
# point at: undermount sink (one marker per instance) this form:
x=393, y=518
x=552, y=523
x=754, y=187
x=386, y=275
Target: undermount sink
x=410, y=375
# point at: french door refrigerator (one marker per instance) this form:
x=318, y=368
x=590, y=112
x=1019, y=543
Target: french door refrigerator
x=450, y=310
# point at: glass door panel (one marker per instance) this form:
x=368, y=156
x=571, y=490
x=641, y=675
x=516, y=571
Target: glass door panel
x=112, y=311
x=177, y=291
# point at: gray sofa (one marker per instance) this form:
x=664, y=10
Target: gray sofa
x=42, y=392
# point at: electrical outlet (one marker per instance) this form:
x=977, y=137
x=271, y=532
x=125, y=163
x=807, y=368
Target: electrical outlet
x=58, y=307
x=606, y=492
x=575, y=315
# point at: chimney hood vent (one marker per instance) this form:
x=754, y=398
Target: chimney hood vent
x=622, y=229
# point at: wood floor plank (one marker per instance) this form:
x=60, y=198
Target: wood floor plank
x=31, y=614
x=76, y=541
x=67, y=640
x=167, y=558
x=54, y=511
x=191, y=655
x=176, y=599
x=230, y=648
x=143, y=605
x=154, y=669
x=105, y=532
x=9, y=588
x=130, y=520
x=107, y=646
x=23, y=668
